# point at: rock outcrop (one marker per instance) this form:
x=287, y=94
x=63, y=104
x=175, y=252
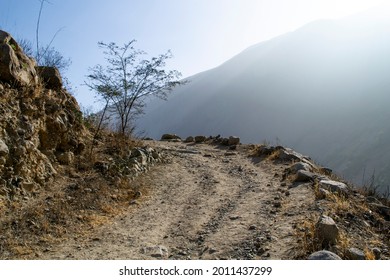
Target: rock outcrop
x=15, y=67
x=50, y=76
x=39, y=127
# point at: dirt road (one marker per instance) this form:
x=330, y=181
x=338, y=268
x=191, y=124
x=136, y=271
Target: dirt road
x=205, y=203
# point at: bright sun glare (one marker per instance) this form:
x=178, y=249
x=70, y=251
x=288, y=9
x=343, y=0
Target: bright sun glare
x=340, y=8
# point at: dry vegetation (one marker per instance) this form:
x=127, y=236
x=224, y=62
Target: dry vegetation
x=81, y=197
x=359, y=226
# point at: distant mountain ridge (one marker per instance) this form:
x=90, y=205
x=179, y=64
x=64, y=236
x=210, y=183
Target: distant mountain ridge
x=322, y=90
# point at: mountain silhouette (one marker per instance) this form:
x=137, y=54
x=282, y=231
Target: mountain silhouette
x=322, y=90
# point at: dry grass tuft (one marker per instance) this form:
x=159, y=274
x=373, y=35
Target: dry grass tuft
x=369, y=254
x=340, y=203
x=274, y=155
x=343, y=244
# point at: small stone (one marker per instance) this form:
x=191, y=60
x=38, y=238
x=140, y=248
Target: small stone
x=138, y=194
x=133, y=202
x=234, y=217
x=3, y=149
x=166, y=137
x=355, y=254
x=300, y=166
x=28, y=186
x=212, y=250
x=327, y=230
x=265, y=150
x=377, y=253
x=66, y=158
x=252, y=227
x=233, y=140
x=101, y=166
x=156, y=251
x=287, y=154
x=324, y=255
x=322, y=193
x=334, y=186
x=200, y=139
x=304, y=176
x=277, y=204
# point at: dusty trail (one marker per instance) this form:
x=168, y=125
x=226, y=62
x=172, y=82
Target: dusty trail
x=206, y=203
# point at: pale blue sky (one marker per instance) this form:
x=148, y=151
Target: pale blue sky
x=201, y=33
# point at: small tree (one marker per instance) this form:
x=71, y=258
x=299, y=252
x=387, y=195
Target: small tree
x=128, y=80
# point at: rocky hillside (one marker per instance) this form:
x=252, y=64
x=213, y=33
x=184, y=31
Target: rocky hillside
x=67, y=195
x=40, y=123
x=54, y=178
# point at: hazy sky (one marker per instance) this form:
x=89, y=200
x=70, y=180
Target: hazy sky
x=201, y=33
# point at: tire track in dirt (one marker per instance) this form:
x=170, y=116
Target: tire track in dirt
x=204, y=204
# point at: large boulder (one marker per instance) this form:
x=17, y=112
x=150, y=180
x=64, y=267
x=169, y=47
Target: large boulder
x=50, y=76
x=15, y=67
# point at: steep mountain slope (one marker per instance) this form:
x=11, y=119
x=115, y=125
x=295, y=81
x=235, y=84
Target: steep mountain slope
x=322, y=90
